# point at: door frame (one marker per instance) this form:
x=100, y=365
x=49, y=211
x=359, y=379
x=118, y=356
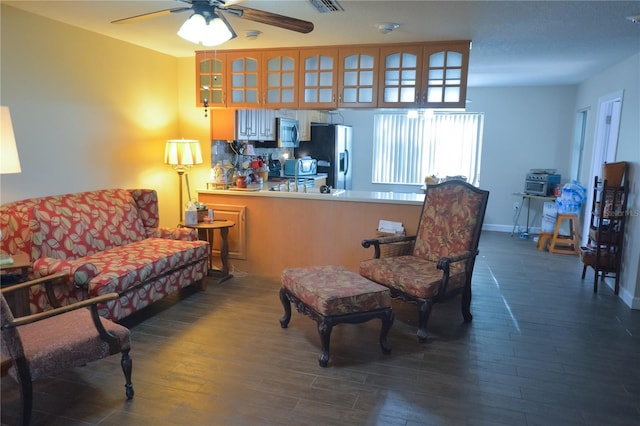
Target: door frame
x=605, y=144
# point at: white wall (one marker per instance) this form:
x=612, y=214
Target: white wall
x=524, y=128
x=620, y=77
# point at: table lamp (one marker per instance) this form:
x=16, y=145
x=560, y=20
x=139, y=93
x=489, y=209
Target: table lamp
x=182, y=154
x=9, y=160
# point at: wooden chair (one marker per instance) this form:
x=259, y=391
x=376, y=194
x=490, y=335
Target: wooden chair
x=443, y=253
x=63, y=337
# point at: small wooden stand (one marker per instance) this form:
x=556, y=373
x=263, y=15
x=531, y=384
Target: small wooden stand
x=566, y=244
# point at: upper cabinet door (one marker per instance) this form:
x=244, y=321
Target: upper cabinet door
x=243, y=79
x=210, y=79
x=400, y=74
x=280, y=72
x=318, y=78
x=358, y=73
x=444, y=80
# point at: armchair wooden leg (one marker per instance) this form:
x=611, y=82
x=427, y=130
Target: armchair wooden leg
x=126, y=369
x=26, y=390
x=424, y=310
x=466, y=304
x=387, y=322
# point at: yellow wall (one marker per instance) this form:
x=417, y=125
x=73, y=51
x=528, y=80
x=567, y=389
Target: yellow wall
x=88, y=111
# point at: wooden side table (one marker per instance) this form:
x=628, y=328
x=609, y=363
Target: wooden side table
x=18, y=300
x=206, y=229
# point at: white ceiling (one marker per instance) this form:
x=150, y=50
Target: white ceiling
x=514, y=42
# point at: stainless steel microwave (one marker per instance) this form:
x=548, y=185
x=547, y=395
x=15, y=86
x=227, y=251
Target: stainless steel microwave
x=287, y=133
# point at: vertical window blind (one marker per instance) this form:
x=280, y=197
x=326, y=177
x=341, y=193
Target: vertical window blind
x=406, y=149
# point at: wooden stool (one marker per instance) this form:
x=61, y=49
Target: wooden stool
x=543, y=240
x=333, y=295
x=566, y=244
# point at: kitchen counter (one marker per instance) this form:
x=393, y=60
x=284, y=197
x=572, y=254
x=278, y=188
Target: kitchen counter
x=295, y=229
x=314, y=194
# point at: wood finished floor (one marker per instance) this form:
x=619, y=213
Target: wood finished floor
x=542, y=350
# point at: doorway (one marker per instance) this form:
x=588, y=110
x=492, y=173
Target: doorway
x=605, y=144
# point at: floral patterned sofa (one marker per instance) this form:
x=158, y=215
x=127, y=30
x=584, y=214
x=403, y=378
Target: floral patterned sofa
x=108, y=241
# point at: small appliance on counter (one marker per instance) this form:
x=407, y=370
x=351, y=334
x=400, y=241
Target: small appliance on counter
x=541, y=182
x=275, y=167
x=301, y=167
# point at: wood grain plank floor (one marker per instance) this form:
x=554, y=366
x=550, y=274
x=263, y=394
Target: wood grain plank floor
x=542, y=350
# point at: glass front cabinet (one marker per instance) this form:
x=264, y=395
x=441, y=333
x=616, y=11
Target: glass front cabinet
x=210, y=79
x=404, y=75
x=318, y=78
x=358, y=84
x=424, y=76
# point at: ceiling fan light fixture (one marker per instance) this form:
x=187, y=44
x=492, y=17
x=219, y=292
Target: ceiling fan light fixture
x=210, y=31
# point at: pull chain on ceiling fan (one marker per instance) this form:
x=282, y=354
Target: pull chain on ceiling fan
x=208, y=26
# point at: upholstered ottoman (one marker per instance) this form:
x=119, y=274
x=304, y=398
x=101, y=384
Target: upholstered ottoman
x=333, y=295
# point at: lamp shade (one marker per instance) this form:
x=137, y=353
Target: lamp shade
x=182, y=153
x=9, y=160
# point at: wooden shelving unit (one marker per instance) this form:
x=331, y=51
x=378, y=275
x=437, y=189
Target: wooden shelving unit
x=603, y=251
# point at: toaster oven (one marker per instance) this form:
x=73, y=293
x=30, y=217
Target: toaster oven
x=543, y=184
x=301, y=167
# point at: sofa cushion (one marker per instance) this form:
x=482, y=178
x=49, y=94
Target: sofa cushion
x=124, y=267
x=82, y=224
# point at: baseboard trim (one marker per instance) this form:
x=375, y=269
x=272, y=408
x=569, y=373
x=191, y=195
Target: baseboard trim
x=509, y=228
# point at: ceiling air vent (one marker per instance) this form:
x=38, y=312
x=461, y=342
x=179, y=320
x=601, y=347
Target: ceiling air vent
x=325, y=6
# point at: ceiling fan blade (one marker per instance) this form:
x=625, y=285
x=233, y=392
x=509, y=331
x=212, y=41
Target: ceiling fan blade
x=274, y=19
x=150, y=15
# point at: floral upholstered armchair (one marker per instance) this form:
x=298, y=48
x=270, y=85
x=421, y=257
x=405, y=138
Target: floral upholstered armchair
x=440, y=262
x=63, y=337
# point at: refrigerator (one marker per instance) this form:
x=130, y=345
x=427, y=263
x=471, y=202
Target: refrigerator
x=330, y=144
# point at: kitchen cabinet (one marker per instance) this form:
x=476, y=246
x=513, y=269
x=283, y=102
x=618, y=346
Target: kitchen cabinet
x=603, y=251
x=211, y=79
x=318, y=78
x=358, y=77
x=444, y=75
x=256, y=124
x=262, y=79
x=424, y=76
x=414, y=75
x=243, y=79
x=305, y=118
x=400, y=73
x=222, y=124
x=280, y=71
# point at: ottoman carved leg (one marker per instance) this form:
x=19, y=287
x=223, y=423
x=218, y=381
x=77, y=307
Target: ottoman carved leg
x=284, y=321
x=324, y=330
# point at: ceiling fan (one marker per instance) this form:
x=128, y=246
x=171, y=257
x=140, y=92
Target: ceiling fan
x=208, y=26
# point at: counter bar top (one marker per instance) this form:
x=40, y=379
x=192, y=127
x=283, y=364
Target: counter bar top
x=335, y=195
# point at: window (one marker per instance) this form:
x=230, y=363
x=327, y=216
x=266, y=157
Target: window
x=407, y=149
